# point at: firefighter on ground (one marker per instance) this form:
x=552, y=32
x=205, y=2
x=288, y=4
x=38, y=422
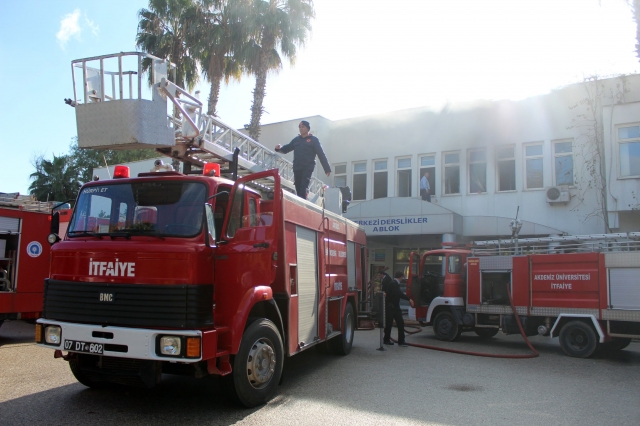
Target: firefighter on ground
x=305, y=147
x=392, y=306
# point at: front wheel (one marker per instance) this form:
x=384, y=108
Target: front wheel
x=341, y=345
x=257, y=366
x=76, y=365
x=445, y=327
x=578, y=339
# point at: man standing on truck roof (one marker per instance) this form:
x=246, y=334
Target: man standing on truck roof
x=392, y=307
x=305, y=147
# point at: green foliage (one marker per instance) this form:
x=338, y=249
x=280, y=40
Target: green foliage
x=61, y=178
x=85, y=160
x=55, y=180
x=278, y=27
x=163, y=30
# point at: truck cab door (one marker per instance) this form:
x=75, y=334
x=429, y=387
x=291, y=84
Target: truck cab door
x=245, y=254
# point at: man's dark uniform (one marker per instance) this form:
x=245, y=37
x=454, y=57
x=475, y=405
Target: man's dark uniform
x=392, y=307
x=304, y=160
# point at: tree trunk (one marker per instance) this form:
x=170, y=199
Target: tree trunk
x=215, y=75
x=256, y=108
x=259, y=92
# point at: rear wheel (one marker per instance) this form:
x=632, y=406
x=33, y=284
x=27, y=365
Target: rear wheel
x=257, y=366
x=578, y=339
x=486, y=333
x=341, y=345
x=445, y=327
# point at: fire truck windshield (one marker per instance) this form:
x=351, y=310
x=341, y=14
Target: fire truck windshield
x=159, y=208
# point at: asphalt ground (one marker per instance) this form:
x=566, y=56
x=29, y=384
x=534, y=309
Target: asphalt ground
x=399, y=386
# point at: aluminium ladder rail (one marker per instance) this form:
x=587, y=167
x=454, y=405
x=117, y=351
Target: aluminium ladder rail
x=196, y=138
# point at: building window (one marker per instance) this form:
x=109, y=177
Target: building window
x=506, y=160
x=380, y=179
x=477, y=171
x=629, y=140
x=452, y=173
x=428, y=164
x=359, y=181
x=404, y=177
x=340, y=175
x=533, y=161
x=563, y=163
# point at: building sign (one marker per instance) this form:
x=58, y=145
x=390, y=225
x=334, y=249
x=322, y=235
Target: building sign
x=379, y=256
x=395, y=224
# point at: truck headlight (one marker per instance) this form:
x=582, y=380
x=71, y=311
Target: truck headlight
x=52, y=335
x=170, y=345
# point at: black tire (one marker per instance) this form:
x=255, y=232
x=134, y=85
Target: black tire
x=485, y=333
x=341, y=345
x=445, y=327
x=257, y=367
x=616, y=344
x=75, y=364
x=578, y=339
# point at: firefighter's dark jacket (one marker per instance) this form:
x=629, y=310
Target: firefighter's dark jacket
x=392, y=288
x=304, y=153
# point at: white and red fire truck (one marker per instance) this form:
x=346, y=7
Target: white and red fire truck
x=24, y=254
x=193, y=273
x=583, y=289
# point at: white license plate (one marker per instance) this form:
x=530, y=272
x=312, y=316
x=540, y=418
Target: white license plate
x=84, y=347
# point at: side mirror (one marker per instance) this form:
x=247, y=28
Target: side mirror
x=55, y=223
x=209, y=225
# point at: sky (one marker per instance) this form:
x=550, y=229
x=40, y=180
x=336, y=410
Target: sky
x=362, y=57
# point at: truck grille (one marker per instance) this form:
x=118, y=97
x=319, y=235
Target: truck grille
x=171, y=306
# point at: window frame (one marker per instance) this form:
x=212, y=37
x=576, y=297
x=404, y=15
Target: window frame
x=504, y=160
x=353, y=178
x=563, y=154
x=445, y=166
x=337, y=175
x=373, y=180
x=432, y=169
x=622, y=142
x=470, y=163
x=398, y=170
x=532, y=157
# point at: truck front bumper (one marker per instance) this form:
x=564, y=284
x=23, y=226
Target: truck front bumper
x=121, y=342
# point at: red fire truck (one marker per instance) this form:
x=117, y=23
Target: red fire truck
x=24, y=254
x=583, y=289
x=193, y=273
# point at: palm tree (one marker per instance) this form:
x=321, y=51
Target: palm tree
x=54, y=180
x=163, y=32
x=278, y=27
x=217, y=40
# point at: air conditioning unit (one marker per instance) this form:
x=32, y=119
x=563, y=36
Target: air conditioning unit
x=558, y=194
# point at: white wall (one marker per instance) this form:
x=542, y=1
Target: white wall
x=483, y=124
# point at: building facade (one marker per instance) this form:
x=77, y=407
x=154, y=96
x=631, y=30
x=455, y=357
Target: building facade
x=567, y=162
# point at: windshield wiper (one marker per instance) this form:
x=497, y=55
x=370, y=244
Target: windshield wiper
x=84, y=234
x=127, y=233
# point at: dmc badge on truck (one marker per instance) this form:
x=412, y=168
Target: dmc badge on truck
x=107, y=297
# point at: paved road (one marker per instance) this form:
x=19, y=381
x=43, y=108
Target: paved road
x=400, y=386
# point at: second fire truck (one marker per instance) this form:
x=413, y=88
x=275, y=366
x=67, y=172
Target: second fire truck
x=583, y=289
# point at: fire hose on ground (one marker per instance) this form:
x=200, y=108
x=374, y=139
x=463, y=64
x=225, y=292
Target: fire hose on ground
x=456, y=351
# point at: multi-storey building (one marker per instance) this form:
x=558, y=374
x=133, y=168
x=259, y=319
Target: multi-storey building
x=568, y=162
